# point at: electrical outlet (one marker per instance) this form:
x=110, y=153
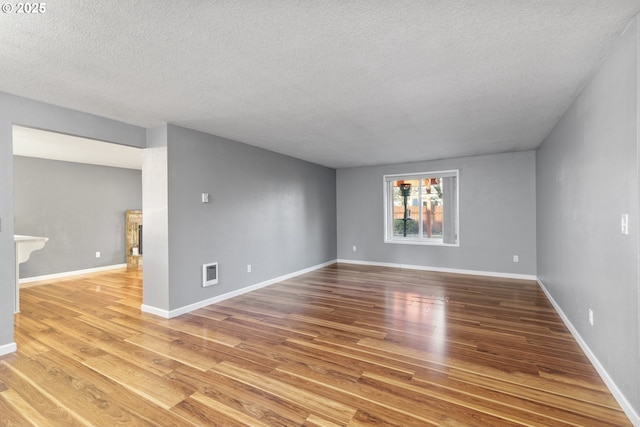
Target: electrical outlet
x=591, y=317
x=354, y=248
x=516, y=258
x=97, y=254
x=248, y=268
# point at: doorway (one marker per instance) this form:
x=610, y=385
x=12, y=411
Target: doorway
x=75, y=192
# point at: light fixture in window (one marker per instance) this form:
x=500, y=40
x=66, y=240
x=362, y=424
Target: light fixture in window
x=405, y=191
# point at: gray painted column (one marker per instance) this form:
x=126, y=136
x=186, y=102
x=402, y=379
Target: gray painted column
x=155, y=218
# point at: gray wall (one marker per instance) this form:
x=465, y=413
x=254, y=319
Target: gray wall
x=79, y=207
x=587, y=176
x=24, y=112
x=274, y=212
x=497, y=215
x=155, y=292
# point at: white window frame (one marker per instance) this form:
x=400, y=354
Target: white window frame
x=388, y=208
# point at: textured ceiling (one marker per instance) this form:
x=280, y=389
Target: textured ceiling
x=340, y=83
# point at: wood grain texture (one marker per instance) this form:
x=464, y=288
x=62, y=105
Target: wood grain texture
x=342, y=346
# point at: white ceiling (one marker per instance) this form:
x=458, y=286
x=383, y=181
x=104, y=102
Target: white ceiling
x=336, y=82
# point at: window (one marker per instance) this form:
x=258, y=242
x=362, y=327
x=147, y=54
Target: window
x=422, y=208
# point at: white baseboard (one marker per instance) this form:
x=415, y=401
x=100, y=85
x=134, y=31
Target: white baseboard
x=191, y=307
x=8, y=348
x=634, y=417
x=28, y=280
x=155, y=311
x=442, y=270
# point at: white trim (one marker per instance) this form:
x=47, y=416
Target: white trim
x=70, y=273
x=636, y=20
x=388, y=207
x=418, y=241
x=412, y=175
x=634, y=417
x=442, y=270
x=154, y=310
x=191, y=307
x=8, y=348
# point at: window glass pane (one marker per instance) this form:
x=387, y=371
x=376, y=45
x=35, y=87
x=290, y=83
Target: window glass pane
x=449, y=185
x=432, y=208
x=406, y=203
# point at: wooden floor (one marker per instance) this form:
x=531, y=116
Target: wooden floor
x=342, y=346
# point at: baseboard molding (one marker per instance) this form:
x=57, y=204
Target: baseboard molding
x=26, y=281
x=169, y=314
x=442, y=270
x=8, y=348
x=634, y=417
x=155, y=311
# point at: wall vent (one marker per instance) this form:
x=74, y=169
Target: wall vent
x=209, y=274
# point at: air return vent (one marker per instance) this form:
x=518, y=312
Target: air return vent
x=209, y=274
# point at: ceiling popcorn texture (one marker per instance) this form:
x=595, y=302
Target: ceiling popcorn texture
x=339, y=83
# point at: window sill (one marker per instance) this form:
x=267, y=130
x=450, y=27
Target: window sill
x=422, y=242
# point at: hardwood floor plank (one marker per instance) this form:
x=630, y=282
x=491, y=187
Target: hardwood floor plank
x=334, y=411
x=90, y=403
x=75, y=348
x=357, y=396
x=353, y=357
x=49, y=409
x=106, y=324
x=12, y=416
x=536, y=387
x=551, y=411
x=159, y=390
x=21, y=406
x=146, y=412
x=231, y=412
x=199, y=414
x=185, y=353
x=243, y=397
x=560, y=407
x=381, y=404
x=344, y=345
x=208, y=329
x=358, y=331
x=29, y=346
x=315, y=421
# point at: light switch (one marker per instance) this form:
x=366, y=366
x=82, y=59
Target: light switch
x=205, y=197
x=624, y=224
